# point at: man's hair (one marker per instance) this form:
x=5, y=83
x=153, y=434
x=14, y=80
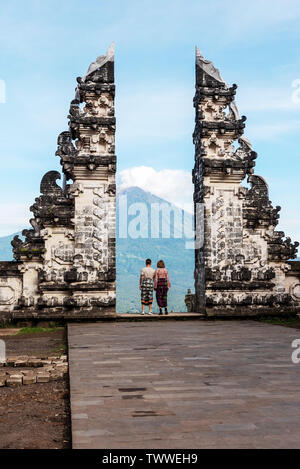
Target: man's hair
x=161, y=264
x=148, y=261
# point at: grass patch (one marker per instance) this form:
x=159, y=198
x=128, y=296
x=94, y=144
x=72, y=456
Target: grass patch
x=62, y=350
x=38, y=330
x=288, y=321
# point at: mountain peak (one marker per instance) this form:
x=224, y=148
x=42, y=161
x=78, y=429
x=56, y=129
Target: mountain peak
x=136, y=194
x=130, y=190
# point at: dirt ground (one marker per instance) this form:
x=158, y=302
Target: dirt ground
x=40, y=345
x=295, y=325
x=35, y=416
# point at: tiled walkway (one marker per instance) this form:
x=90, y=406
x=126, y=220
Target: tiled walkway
x=190, y=384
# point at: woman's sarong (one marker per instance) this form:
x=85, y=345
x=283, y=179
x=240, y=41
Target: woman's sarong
x=162, y=292
x=147, y=291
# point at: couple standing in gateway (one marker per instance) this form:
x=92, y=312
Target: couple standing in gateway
x=159, y=281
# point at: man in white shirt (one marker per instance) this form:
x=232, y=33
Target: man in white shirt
x=146, y=286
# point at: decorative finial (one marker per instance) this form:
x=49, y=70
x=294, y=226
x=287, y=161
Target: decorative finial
x=208, y=67
x=101, y=60
x=198, y=52
x=111, y=51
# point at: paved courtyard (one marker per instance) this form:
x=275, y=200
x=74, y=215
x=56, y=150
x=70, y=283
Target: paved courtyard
x=184, y=384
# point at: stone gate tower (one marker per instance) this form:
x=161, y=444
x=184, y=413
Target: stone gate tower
x=241, y=267
x=66, y=266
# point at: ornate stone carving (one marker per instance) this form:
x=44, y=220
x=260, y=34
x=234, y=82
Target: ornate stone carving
x=67, y=260
x=241, y=249
x=295, y=291
x=7, y=295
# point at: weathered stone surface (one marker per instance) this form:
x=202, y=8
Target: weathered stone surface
x=241, y=263
x=10, y=361
x=65, y=267
x=44, y=370
x=35, y=362
x=43, y=377
x=55, y=374
x=29, y=379
x=62, y=367
x=14, y=380
x=19, y=363
x=3, y=380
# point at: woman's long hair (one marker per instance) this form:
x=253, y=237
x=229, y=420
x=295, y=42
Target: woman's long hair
x=161, y=264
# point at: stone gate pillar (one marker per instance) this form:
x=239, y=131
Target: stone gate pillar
x=66, y=265
x=241, y=266
x=91, y=163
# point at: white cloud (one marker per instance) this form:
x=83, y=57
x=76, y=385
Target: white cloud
x=14, y=217
x=173, y=185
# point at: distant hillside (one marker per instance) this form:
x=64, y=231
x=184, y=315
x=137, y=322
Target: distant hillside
x=131, y=253
x=5, y=247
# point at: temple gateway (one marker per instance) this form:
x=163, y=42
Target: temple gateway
x=242, y=263
x=65, y=268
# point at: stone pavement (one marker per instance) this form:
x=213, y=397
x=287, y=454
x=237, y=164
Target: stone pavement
x=189, y=384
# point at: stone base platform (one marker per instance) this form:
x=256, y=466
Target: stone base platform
x=240, y=312
x=110, y=315
x=35, y=316
x=57, y=314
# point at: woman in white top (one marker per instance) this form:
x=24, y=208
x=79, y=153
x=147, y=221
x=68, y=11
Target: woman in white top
x=146, y=286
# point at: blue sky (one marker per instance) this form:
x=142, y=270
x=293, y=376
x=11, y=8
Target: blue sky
x=46, y=44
